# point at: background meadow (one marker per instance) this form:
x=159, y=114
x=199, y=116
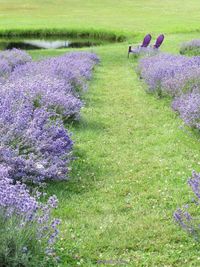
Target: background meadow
x=127, y=16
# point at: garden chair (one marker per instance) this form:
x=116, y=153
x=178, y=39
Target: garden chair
x=159, y=41
x=146, y=42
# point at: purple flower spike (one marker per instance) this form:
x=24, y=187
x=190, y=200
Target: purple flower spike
x=34, y=100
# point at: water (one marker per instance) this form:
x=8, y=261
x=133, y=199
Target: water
x=28, y=44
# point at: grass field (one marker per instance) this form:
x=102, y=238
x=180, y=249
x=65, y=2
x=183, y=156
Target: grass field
x=133, y=155
x=128, y=16
x=130, y=175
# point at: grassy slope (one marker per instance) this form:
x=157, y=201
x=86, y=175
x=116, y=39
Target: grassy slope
x=130, y=175
x=127, y=15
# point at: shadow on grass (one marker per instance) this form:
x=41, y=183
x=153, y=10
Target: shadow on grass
x=85, y=171
x=82, y=178
x=86, y=125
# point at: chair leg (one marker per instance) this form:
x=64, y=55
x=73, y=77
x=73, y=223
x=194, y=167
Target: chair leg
x=129, y=50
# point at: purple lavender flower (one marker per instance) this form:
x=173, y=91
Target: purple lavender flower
x=159, y=70
x=34, y=143
x=9, y=60
x=183, y=217
x=16, y=200
x=191, y=47
x=177, y=76
x=188, y=106
x=74, y=68
x=36, y=150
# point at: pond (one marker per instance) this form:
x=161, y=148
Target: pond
x=47, y=43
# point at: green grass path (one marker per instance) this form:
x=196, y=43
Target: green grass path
x=129, y=177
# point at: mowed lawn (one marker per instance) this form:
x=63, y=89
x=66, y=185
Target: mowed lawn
x=133, y=161
x=129, y=16
x=133, y=153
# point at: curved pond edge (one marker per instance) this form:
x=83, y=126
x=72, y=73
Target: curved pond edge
x=52, y=42
x=72, y=33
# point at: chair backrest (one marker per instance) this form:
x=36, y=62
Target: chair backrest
x=159, y=41
x=146, y=41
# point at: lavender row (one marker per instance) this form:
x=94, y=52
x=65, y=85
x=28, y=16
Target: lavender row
x=16, y=199
x=27, y=223
x=185, y=216
x=178, y=77
x=55, y=83
x=191, y=48
x=9, y=60
x=36, y=97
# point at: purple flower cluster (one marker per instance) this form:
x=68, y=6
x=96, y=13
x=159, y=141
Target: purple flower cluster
x=16, y=200
x=189, y=223
x=34, y=144
x=37, y=148
x=191, y=48
x=55, y=82
x=9, y=60
x=165, y=71
x=35, y=98
x=188, y=106
x=177, y=76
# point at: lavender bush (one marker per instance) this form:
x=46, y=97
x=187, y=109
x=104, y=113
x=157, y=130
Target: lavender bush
x=46, y=91
x=35, y=99
x=191, y=223
x=74, y=68
x=34, y=143
x=190, y=48
x=178, y=77
x=55, y=82
x=168, y=73
x=28, y=231
x=188, y=106
x=9, y=60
